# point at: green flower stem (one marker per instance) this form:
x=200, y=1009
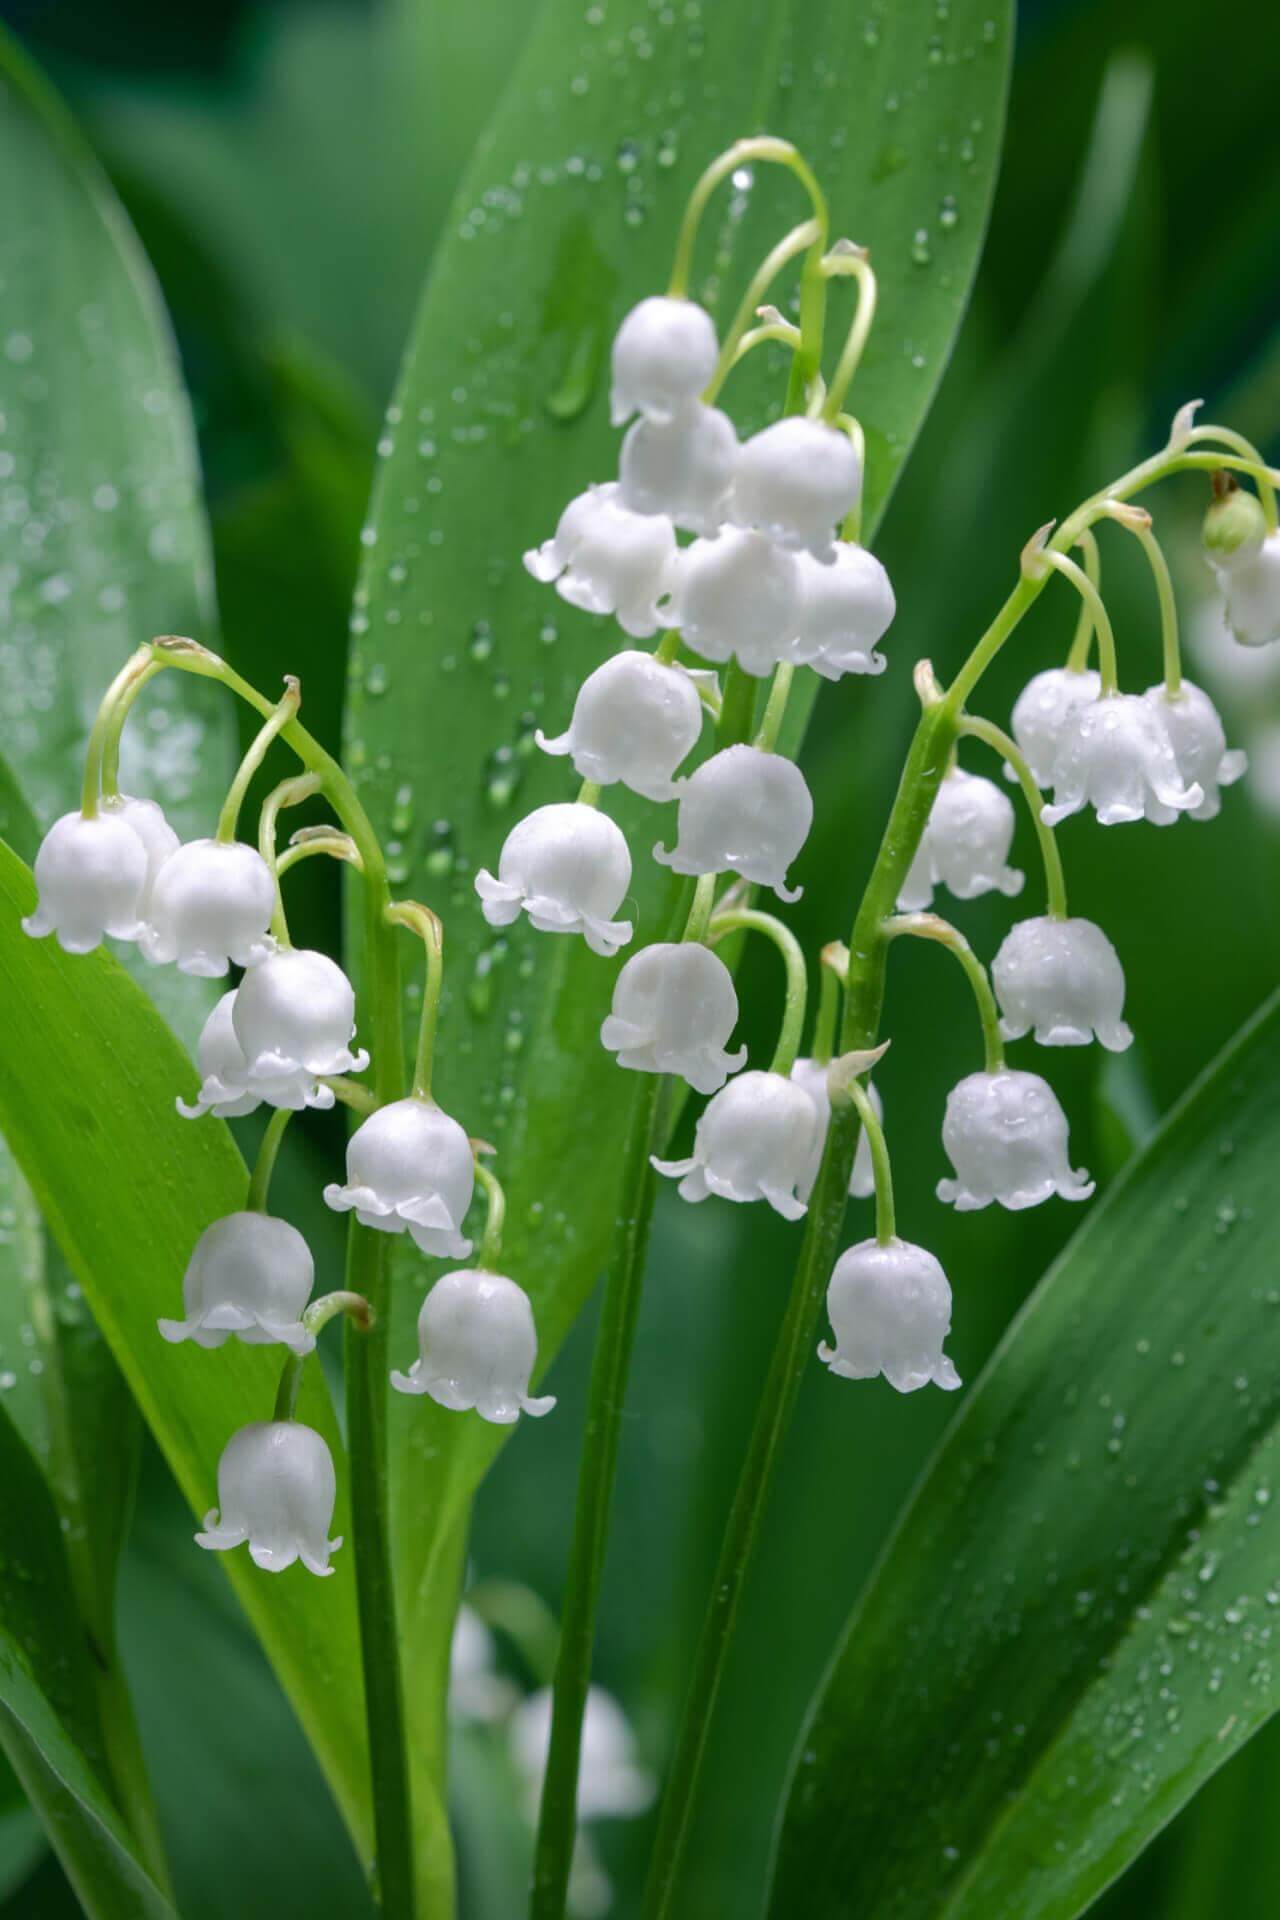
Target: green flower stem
x=851, y=527
x=115, y=726
x=749, y=920
x=741, y=154
x=1228, y=437
x=1082, y=642
x=289, y=793
x=1107, y=665
x=832, y=966
x=557, y=1818
x=121, y=689
x=368, y=1274
x=775, y=711
x=668, y=648
x=490, y=1255
x=929, y=926
x=588, y=794
x=1054, y=878
x=315, y=1319
x=886, y=1223
x=312, y=840
x=1170, y=650
x=738, y=708
x=735, y=340
x=421, y=920
x=276, y=722
x=700, y=912
x=855, y=263
x=264, y=1165
x=350, y=1093
x=926, y=763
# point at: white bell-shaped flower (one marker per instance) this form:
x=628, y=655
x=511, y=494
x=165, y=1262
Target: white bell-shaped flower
x=477, y=1690
x=276, y=1490
x=477, y=1346
x=611, y=1783
x=409, y=1166
x=796, y=481
x=221, y=1061
x=1041, y=711
x=1199, y=743
x=91, y=876
x=812, y=1076
x=1006, y=1137
x=742, y=811
x=1063, y=980
x=146, y=819
x=1250, y=582
x=845, y=608
x=965, y=846
x=250, y=1275
x=674, y=1008
x=737, y=594
x=294, y=1017
x=1115, y=755
x=683, y=467
x=211, y=904
x=890, y=1311
x=605, y=559
x=664, y=354
x=568, y=867
x=634, y=720
x=753, y=1142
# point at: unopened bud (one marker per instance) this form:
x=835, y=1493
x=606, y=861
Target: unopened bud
x=1234, y=521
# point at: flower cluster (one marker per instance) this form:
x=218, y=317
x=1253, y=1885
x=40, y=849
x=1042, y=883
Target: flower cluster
x=284, y=1037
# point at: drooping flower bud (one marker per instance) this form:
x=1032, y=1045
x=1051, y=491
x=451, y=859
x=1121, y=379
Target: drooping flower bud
x=1115, y=755
x=410, y=1166
x=965, y=846
x=568, y=867
x=664, y=354
x=249, y=1275
x=796, y=481
x=890, y=1310
x=211, y=904
x=91, y=876
x=737, y=594
x=812, y=1076
x=1041, y=713
x=1234, y=523
x=611, y=1783
x=606, y=560
x=477, y=1347
x=674, y=1008
x=221, y=1061
x=146, y=819
x=1199, y=743
x=742, y=811
x=753, y=1142
x=276, y=1489
x=845, y=608
x=682, y=467
x=294, y=1017
x=1063, y=979
x=634, y=720
x=477, y=1690
x=1250, y=582
x=1006, y=1137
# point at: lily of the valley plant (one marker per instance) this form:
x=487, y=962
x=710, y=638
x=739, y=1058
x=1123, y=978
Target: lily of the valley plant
x=730, y=566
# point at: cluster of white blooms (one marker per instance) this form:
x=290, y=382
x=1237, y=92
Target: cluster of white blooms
x=284, y=1037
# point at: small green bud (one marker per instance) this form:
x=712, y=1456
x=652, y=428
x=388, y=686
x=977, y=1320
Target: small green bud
x=1234, y=521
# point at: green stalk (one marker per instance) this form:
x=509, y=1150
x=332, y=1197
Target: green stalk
x=557, y=1819
x=367, y=1366
x=1054, y=878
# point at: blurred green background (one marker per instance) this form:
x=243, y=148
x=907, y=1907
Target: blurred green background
x=288, y=166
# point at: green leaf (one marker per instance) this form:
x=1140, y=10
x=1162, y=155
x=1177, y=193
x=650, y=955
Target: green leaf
x=49, y=1725
x=103, y=542
x=565, y=219
x=87, y=1085
x=1071, y=1629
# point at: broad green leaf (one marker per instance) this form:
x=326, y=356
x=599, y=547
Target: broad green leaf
x=87, y=1085
x=49, y=1725
x=566, y=218
x=1071, y=1629
x=102, y=537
